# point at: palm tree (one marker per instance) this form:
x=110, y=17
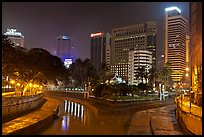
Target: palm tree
x=83, y=71
x=105, y=73
x=140, y=74
x=153, y=76
x=165, y=74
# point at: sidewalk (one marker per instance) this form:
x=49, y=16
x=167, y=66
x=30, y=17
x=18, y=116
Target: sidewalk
x=185, y=106
x=29, y=123
x=158, y=121
x=190, y=115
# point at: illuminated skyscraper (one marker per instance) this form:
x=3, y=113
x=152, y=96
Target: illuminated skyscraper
x=138, y=59
x=137, y=37
x=175, y=42
x=100, y=49
x=64, y=47
x=16, y=37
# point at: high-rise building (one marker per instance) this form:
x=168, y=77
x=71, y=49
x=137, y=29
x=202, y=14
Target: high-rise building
x=100, y=49
x=140, y=36
x=108, y=49
x=16, y=37
x=138, y=59
x=64, y=47
x=175, y=29
x=187, y=50
x=196, y=48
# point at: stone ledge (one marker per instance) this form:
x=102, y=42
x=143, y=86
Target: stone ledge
x=25, y=124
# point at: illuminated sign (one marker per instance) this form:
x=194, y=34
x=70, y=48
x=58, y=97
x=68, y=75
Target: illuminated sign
x=67, y=62
x=173, y=8
x=13, y=32
x=64, y=37
x=96, y=34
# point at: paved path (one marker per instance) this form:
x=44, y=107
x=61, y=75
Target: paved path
x=158, y=121
x=185, y=106
x=28, y=123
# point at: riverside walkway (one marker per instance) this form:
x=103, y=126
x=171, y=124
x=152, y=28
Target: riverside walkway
x=156, y=121
x=28, y=124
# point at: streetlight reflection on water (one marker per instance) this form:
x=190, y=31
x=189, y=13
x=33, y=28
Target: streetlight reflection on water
x=73, y=109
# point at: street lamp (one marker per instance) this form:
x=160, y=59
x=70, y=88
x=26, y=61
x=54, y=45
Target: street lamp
x=12, y=82
x=30, y=85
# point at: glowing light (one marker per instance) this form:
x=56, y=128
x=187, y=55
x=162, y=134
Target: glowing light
x=187, y=74
x=96, y=34
x=12, y=32
x=173, y=8
x=67, y=62
x=64, y=37
x=18, y=84
x=187, y=69
x=12, y=81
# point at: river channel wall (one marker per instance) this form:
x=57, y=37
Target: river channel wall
x=77, y=97
x=120, y=103
x=13, y=106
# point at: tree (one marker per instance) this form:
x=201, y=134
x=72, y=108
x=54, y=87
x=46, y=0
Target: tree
x=8, y=57
x=105, y=73
x=141, y=74
x=153, y=77
x=83, y=71
x=30, y=66
x=165, y=74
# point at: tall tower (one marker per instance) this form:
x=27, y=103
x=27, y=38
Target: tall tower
x=100, y=49
x=175, y=42
x=16, y=37
x=64, y=47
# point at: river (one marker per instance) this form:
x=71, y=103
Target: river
x=77, y=119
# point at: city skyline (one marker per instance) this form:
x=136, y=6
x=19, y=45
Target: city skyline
x=78, y=20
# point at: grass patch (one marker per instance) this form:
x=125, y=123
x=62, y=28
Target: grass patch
x=130, y=97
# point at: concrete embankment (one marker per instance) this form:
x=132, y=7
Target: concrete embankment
x=13, y=107
x=32, y=122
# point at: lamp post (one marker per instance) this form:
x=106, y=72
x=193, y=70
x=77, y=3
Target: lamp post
x=18, y=85
x=12, y=82
x=30, y=85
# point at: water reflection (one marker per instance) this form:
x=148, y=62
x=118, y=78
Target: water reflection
x=74, y=109
x=76, y=119
x=65, y=123
x=71, y=109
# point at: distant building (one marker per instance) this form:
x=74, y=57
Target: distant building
x=108, y=49
x=160, y=62
x=175, y=29
x=64, y=47
x=138, y=59
x=100, y=49
x=140, y=36
x=16, y=37
x=68, y=62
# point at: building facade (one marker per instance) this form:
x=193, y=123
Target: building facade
x=100, y=49
x=16, y=37
x=108, y=49
x=196, y=48
x=138, y=59
x=64, y=47
x=175, y=29
x=140, y=36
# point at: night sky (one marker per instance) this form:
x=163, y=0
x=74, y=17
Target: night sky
x=41, y=22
